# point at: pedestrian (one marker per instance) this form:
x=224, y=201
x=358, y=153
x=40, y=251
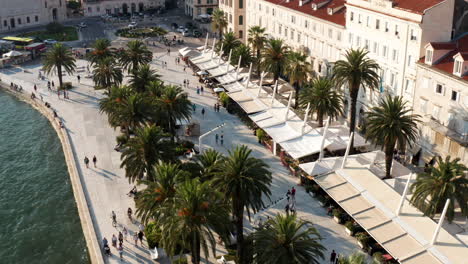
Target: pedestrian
x=201, y=89
x=120, y=249
x=215, y=106
x=188, y=82
x=169, y=51
x=114, y=219
x=79, y=78
x=105, y=242
x=203, y=113
x=185, y=83
x=135, y=238
x=35, y=87
x=333, y=257
x=293, y=194
x=42, y=99
x=48, y=85
x=198, y=90
x=86, y=161
x=114, y=240
x=87, y=67
x=194, y=107
x=165, y=64
x=53, y=84
x=222, y=138
x=337, y=258
x=286, y=208
x=58, y=93
x=129, y=213
x=125, y=233
x=216, y=138
x=120, y=237
x=94, y=160
x=288, y=194
x=184, y=68
x=140, y=237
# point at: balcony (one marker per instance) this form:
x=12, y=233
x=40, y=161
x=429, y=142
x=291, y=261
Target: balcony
x=444, y=130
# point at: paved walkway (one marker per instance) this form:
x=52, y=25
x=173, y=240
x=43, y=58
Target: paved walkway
x=106, y=186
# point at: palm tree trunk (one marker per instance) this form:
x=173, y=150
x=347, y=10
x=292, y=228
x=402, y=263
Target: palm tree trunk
x=353, y=93
x=296, y=95
x=59, y=74
x=388, y=160
x=239, y=221
x=320, y=118
x=258, y=62
x=196, y=258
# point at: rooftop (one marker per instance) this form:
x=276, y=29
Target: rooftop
x=416, y=6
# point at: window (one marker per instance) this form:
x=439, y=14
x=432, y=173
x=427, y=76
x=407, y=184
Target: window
x=330, y=33
x=230, y=18
x=280, y=29
x=292, y=34
x=306, y=23
x=375, y=48
x=259, y=7
x=286, y=32
x=410, y=60
x=45, y=4
x=338, y=36
x=5, y=23
x=359, y=18
x=241, y=3
x=439, y=89
x=377, y=24
x=36, y=18
x=396, y=30
x=439, y=139
x=299, y=37
x=28, y=20
x=350, y=38
x=351, y=16
x=241, y=34
x=367, y=21
x=366, y=44
x=358, y=41
x=384, y=51
x=386, y=27
x=392, y=79
x=99, y=9
x=436, y=112
x=458, y=67
x=454, y=96
x=395, y=55
x=293, y=19
x=408, y=85
x=19, y=21
x=423, y=106
x=428, y=56
x=314, y=27
x=90, y=10
x=412, y=34
x=273, y=11
x=241, y=20
x=454, y=148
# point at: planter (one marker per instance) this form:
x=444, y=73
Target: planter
x=361, y=245
x=337, y=219
x=322, y=204
x=349, y=232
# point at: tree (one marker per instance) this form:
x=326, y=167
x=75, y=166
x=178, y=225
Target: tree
x=59, y=58
x=229, y=42
x=133, y=112
x=243, y=181
x=257, y=39
x=159, y=190
x=107, y=73
x=219, y=21
x=287, y=240
x=209, y=164
x=243, y=53
x=172, y=105
x=389, y=123
x=323, y=99
x=195, y=214
x=135, y=55
x=298, y=70
x=356, y=70
x=445, y=181
x=275, y=57
x=143, y=151
x=101, y=51
x=114, y=100
x=142, y=76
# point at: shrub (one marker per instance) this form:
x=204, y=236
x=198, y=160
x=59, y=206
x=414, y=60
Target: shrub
x=182, y=260
x=55, y=27
x=121, y=139
x=378, y=258
x=363, y=237
x=337, y=213
x=153, y=234
x=350, y=225
x=224, y=99
x=261, y=135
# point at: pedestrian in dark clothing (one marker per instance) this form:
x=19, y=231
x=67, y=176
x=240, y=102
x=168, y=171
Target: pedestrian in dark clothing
x=286, y=208
x=86, y=161
x=201, y=89
x=222, y=138
x=293, y=194
x=35, y=88
x=94, y=161
x=140, y=237
x=288, y=194
x=120, y=237
x=104, y=242
x=333, y=257
x=215, y=107
x=203, y=112
x=48, y=85
x=79, y=78
x=198, y=90
x=53, y=84
x=216, y=138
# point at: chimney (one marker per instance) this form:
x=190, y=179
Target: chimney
x=333, y=9
x=303, y=2
x=316, y=6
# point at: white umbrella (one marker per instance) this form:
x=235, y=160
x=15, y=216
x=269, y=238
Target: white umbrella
x=218, y=90
x=202, y=73
x=12, y=53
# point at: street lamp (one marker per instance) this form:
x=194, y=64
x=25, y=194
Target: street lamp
x=200, y=148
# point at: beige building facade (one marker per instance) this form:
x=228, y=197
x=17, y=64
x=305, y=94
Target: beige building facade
x=102, y=7
x=194, y=8
x=441, y=98
x=18, y=14
x=236, y=16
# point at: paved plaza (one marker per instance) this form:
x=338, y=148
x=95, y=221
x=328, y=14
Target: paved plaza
x=106, y=186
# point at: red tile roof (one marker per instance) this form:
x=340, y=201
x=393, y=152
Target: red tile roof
x=446, y=63
x=443, y=45
x=416, y=6
x=337, y=17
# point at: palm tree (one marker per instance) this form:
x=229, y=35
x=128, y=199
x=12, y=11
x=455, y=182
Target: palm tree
x=445, y=181
x=287, y=240
x=219, y=21
x=191, y=219
x=275, y=57
x=107, y=73
x=244, y=53
x=243, y=181
x=298, y=70
x=172, y=105
x=113, y=102
x=159, y=190
x=356, y=70
x=229, y=42
x=135, y=55
x=155, y=88
x=142, y=76
x=210, y=163
x=133, y=112
x=389, y=123
x=257, y=39
x=101, y=51
x=59, y=58
x=323, y=99
x=143, y=151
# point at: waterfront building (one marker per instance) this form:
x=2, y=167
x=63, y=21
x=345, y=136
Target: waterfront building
x=441, y=98
x=18, y=14
x=194, y=8
x=102, y=7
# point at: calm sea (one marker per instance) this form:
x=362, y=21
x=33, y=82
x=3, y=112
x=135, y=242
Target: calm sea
x=39, y=220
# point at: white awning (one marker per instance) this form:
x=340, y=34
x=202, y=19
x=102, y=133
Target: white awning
x=339, y=137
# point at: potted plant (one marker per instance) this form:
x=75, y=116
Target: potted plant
x=337, y=215
x=363, y=239
x=322, y=200
x=261, y=135
x=350, y=228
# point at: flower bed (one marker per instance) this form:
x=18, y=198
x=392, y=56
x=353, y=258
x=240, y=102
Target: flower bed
x=141, y=32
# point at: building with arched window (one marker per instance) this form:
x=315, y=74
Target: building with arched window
x=18, y=14
x=113, y=7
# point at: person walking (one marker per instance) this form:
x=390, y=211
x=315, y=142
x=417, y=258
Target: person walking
x=114, y=240
x=86, y=161
x=105, y=242
x=215, y=107
x=121, y=238
x=203, y=113
x=48, y=86
x=293, y=194
x=140, y=237
x=222, y=138
x=201, y=89
x=216, y=138
x=333, y=257
x=94, y=161
x=125, y=233
x=79, y=78
x=135, y=238
x=114, y=219
x=120, y=249
x=35, y=88
x=198, y=90
x=194, y=107
x=286, y=208
x=53, y=84
x=288, y=195
x=129, y=213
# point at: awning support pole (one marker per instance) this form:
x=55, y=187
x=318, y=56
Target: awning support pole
x=206, y=43
x=261, y=83
x=403, y=196
x=248, y=78
x=274, y=148
x=220, y=53
x=229, y=61
x=238, y=67
x=324, y=136
x=305, y=119
x=274, y=93
x=441, y=222
x=287, y=109
x=213, y=49
x=347, y=151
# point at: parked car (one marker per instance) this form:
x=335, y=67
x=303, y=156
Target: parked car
x=132, y=25
x=50, y=41
x=197, y=33
x=186, y=33
x=82, y=25
x=181, y=29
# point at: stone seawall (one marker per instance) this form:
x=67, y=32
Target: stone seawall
x=93, y=245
